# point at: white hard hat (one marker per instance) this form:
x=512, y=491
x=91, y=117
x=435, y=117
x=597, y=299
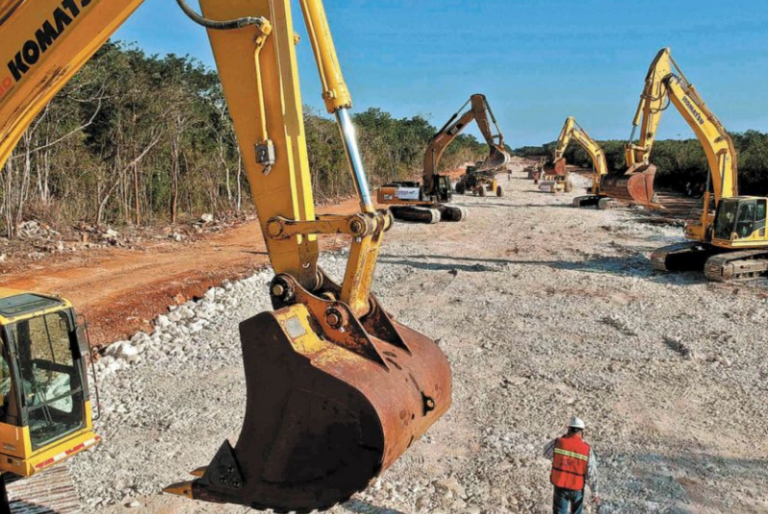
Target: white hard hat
x=577, y=423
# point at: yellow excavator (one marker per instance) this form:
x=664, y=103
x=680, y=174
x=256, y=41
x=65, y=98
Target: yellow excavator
x=557, y=174
x=46, y=406
x=429, y=202
x=555, y=177
x=728, y=241
x=336, y=389
x=635, y=186
x=481, y=180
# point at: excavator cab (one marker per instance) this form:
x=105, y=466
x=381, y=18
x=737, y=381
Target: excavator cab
x=46, y=414
x=443, y=190
x=740, y=219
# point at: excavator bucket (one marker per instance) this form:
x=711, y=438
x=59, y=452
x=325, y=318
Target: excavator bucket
x=557, y=168
x=495, y=160
x=635, y=186
x=323, y=417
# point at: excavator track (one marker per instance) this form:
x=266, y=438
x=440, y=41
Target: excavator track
x=49, y=492
x=737, y=266
x=586, y=201
x=598, y=202
x=416, y=214
x=682, y=257
x=452, y=213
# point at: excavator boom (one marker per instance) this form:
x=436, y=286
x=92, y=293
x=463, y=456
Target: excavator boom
x=337, y=390
x=557, y=168
x=429, y=202
x=479, y=112
x=666, y=84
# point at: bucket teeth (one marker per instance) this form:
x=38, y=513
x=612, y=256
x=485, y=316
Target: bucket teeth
x=199, y=472
x=180, y=489
x=321, y=420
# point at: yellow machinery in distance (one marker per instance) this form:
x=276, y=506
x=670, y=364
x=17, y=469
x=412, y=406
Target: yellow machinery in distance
x=558, y=174
x=337, y=390
x=480, y=179
x=428, y=202
x=728, y=241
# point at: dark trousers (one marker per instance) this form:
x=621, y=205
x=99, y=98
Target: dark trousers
x=565, y=498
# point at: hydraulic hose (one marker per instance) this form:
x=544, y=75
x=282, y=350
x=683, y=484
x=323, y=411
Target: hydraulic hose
x=238, y=23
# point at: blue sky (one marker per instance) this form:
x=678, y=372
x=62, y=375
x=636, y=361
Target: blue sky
x=538, y=61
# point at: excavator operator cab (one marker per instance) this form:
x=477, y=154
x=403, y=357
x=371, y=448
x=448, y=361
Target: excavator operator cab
x=45, y=414
x=444, y=191
x=739, y=219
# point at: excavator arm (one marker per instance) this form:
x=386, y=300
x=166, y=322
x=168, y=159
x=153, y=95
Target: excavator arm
x=480, y=112
x=337, y=390
x=667, y=84
x=573, y=131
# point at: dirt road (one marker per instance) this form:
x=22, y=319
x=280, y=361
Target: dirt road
x=122, y=290
x=544, y=312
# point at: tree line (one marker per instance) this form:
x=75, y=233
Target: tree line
x=140, y=139
x=679, y=162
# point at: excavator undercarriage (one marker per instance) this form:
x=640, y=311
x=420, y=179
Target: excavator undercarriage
x=408, y=201
x=717, y=264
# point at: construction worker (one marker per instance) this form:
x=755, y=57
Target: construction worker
x=573, y=466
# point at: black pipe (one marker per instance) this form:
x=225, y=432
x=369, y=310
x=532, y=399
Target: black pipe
x=239, y=23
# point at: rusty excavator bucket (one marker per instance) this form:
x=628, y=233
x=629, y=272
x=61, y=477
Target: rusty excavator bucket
x=556, y=168
x=635, y=186
x=332, y=401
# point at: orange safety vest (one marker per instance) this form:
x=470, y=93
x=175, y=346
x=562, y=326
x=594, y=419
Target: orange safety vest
x=570, y=463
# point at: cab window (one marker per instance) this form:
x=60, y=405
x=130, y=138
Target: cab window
x=760, y=217
x=726, y=219
x=746, y=221
x=6, y=383
x=51, y=385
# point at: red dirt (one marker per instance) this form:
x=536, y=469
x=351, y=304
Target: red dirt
x=121, y=291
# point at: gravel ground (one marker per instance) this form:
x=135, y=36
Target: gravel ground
x=545, y=312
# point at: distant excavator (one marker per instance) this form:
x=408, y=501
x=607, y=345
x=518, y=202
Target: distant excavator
x=429, y=202
x=337, y=390
x=480, y=179
x=557, y=177
x=728, y=241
